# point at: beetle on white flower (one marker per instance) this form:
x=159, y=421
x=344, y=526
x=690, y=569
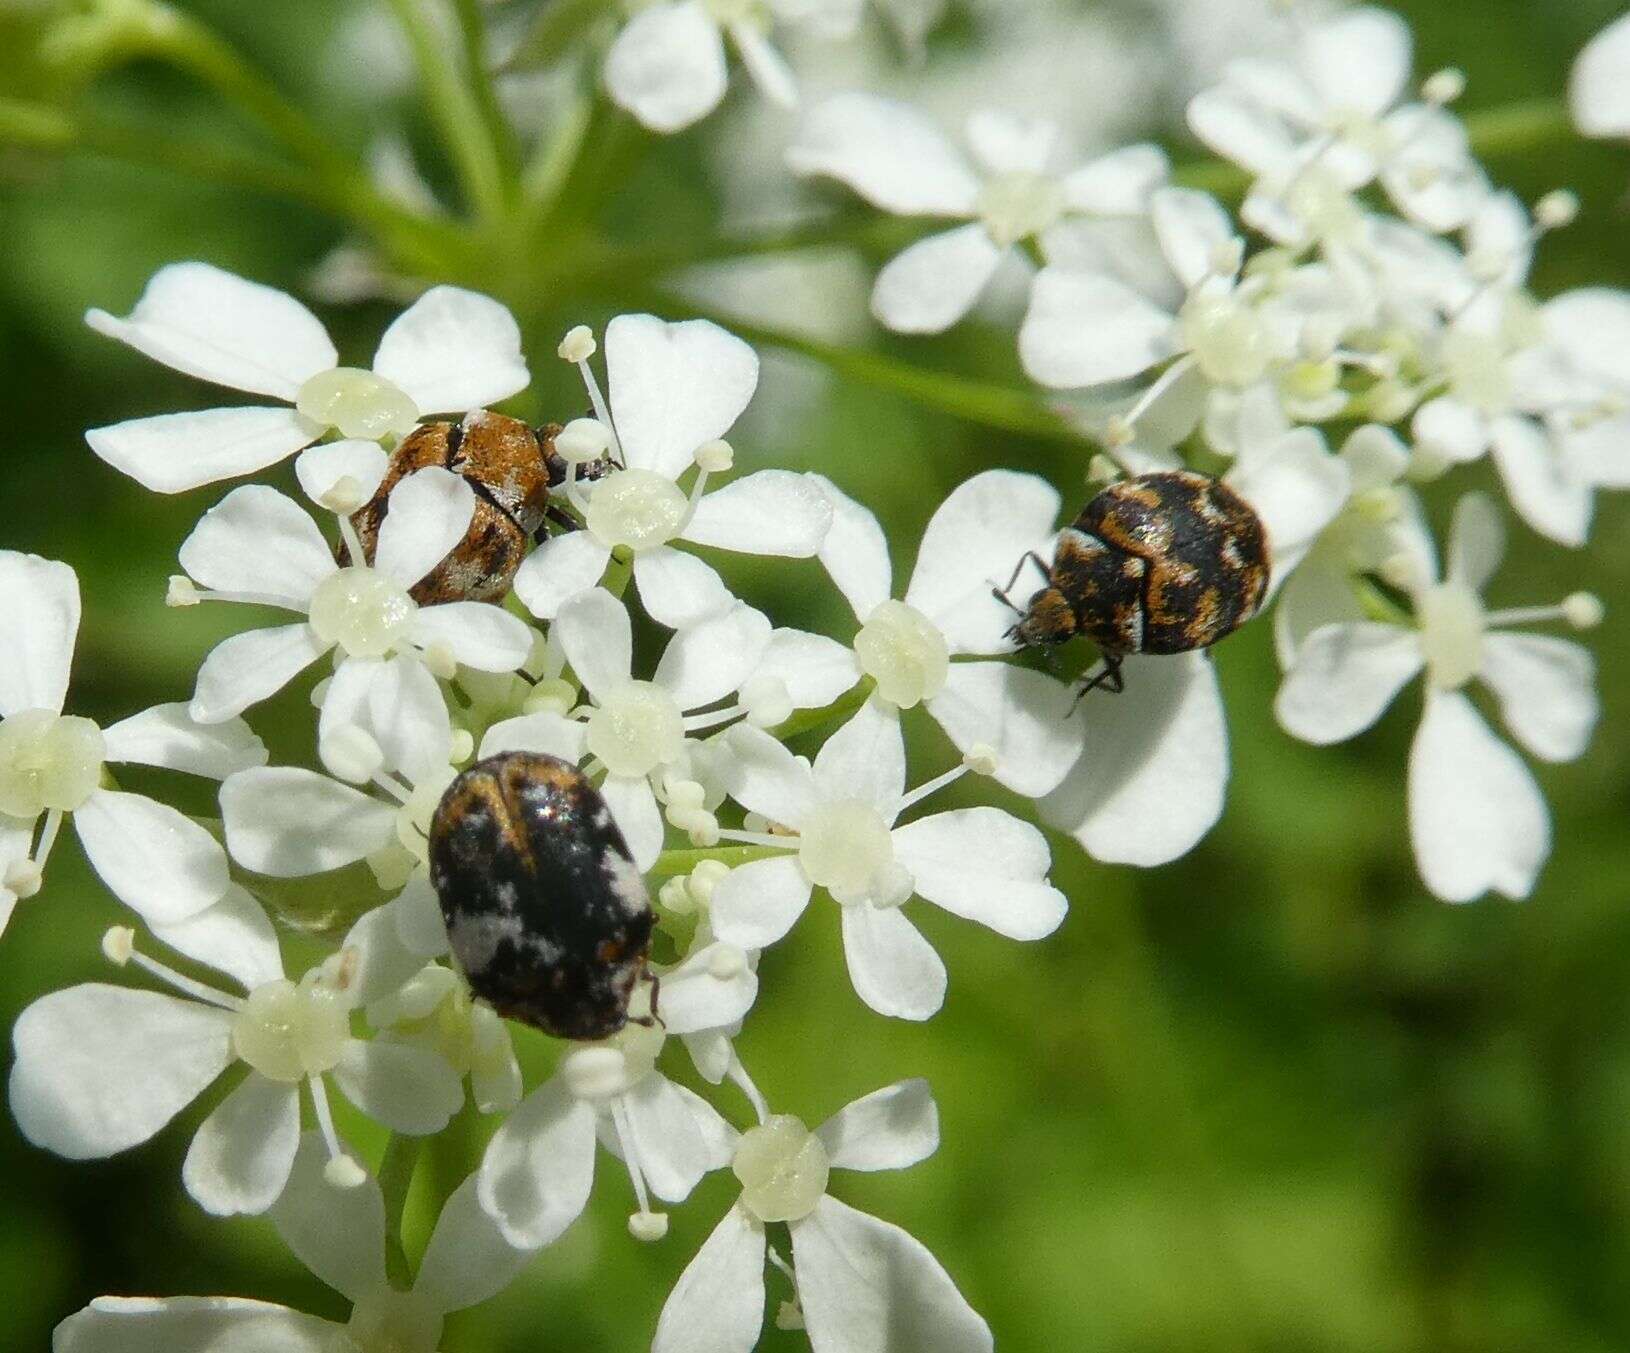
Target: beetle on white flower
x=1477, y=819
x=340, y=1235
x=900, y=161
x=840, y=818
x=260, y=547
x=675, y=390
x=853, y=1276
x=159, y=862
x=100, y=1069
x=450, y=352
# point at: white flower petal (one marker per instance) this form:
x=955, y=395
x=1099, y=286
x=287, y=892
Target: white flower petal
x=1476, y=817
x=558, y=570
x=167, y=735
x=248, y=667
x=234, y=936
x=256, y=540
x=598, y=639
x=100, y=1069
x=1084, y=328
x=772, y=512
x=1599, y=91
x=816, y=670
x=674, y=387
x=1005, y=142
x=756, y=904
x=855, y=553
x=890, y=153
x=1297, y=487
x=865, y=759
x=320, y=468
x=1190, y=225
x=539, y=1167
x=399, y=705
x=1358, y=60
x=485, y=637
x=288, y=822
x=711, y=659
x=240, y=1158
x=1344, y=678
x=984, y=865
x=1240, y=129
x=338, y=1233
x=868, y=1287
x=192, y=1325
x=1452, y=428
x=383, y=961
x=1542, y=484
x=1119, y=183
x=1590, y=326
x=1547, y=690
x=1151, y=780
x=694, y=998
x=678, y=589
x=419, y=923
x=219, y=327
x=548, y=733
x=453, y=350
x=174, y=452
x=38, y=625
x=1024, y=716
x=408, y=1089
x=1476, y=542
x=972, y=544
x=635, y=811
x=764, y=777
x=717, y=1306
x=468, y=1260
x=667, y=66
x=157, y=861
x=894, y=969
x=1318, y=593
x=674, y=1153
x=889, y=1129
x=428, y=514
x=767, y=67
x=930, y=285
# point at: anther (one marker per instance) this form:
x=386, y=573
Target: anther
x=981, y=759
x=578, y=345
x=648, y=1227
x=182, y=591
x=1557, y=210
x=1583, y=610
x=715, y=457
x=343, y=1172
x=583, y=439
x=1443, y=87
x=118, y=944
x=23, y=878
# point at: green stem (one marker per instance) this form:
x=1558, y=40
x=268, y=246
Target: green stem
x=556, y=156
x=472, y=25
x=457, y=112
x=558, y=25
x=618, y=571
x=396, y=1173
x=1516, y=128
x=672, y=863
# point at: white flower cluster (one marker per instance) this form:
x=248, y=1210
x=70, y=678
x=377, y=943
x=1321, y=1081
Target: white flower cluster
x=1373, y=288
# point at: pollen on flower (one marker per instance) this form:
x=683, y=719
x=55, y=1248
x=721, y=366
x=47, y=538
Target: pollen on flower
x=48, y=761
x=904, y=653
x=118, y=944
x=357, y=403
x=636, y=728
x=362, y=610
x=783, y=1168
x=845, y=848
x=637, y=508
x=578, y=345
x=648, y=1227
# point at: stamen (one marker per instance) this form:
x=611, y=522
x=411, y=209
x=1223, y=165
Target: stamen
x=939, y=782
x=759, y=839
x=631, y=1156
x=392, y=785
x=712, y=718
x=342, y=1170
x=1443, y=87
x=1129, y=419
x=119, y=946
x=1580, y=611
x=353, y=542
x=48, y=838
x=577, y=347
x=184, y=592
x=743, y=1082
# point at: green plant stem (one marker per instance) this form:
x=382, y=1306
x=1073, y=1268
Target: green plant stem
x=472, y=25
x=396, y=1173
x=618, y=571
x=457, y=113
x=557, y=26
x=672, y=863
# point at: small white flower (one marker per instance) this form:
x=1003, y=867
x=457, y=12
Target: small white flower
x=639, y=731
x=1477, y=819
x=899, y=160
x=260, y=547
x=909, y=647
x=840, y=813
x=1599, y=92
x=450, y=352
x=675, y=390
x=160, y=863
x=539, y=1168
x=100, y=1069
x=435, y=1010
x=339, y=1234
x=859, y=1283
x=668, y=65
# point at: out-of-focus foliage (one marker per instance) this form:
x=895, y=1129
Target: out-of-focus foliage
x=1270, y=1097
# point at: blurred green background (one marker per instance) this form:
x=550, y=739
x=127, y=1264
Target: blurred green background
x=1270, y=1097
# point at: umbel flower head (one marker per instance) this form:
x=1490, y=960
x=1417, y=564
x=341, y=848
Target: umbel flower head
x=52, y=765
x=450, y=352
x=339, y=1234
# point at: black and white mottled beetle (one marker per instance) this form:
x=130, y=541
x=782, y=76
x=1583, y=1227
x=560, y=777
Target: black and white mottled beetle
x=546, y=912
x=1159, y=563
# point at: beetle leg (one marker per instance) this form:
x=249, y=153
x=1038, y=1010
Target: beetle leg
x=1110, y=679
x=653, y=1019
x=561, y=518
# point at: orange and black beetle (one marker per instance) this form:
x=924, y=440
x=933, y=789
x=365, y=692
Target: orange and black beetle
x=1159, y=563
x=510, y=467
x=546, y=912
